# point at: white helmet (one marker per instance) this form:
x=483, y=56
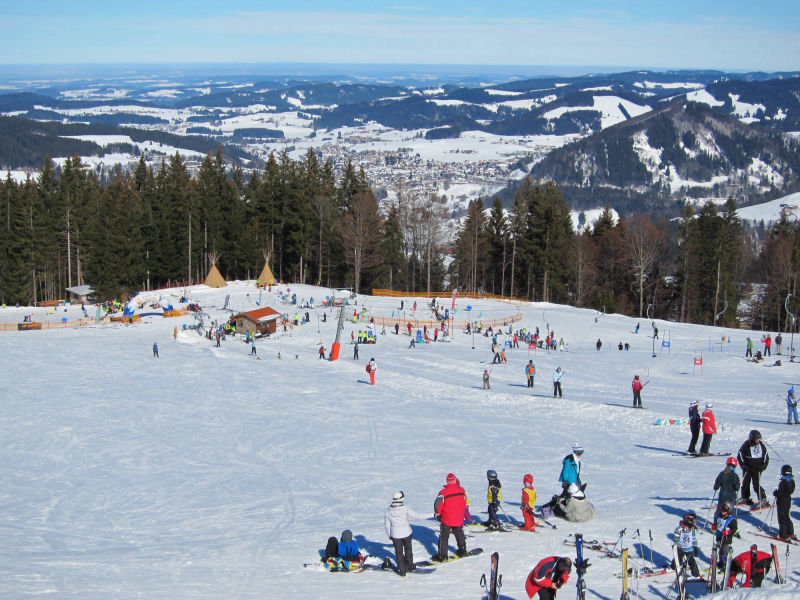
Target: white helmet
x=573, y=489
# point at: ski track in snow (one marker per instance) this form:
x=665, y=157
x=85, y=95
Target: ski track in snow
x=209, y=474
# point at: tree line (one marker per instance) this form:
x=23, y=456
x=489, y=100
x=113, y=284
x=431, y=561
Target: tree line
x=157, y=226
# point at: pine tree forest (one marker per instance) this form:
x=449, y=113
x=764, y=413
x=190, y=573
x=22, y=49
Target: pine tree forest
x=156, y=227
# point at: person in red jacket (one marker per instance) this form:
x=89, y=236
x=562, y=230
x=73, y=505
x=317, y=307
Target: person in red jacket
x=754, y=564
x=637, y=386
x=709, y=428
x=449, y=508
x=548, y=576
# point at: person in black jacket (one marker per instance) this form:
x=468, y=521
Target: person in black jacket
x=783, y=502
x=694, y=424
x=753, y=459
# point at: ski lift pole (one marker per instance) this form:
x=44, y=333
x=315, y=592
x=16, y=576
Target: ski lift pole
x=791, y=342
x=717, y=316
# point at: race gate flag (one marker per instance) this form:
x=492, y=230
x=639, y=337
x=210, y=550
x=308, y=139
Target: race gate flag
x=455, y=293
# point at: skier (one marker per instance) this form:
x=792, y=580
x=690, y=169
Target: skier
x=397, y=329
x=557, y=375
x=371, y=368
x=725, y=527
x=791, y=406
x=530, y=372
x=571, y=469
x=754, y=459
x=599, y=344
x=728, y=484
x=694, y=424
x=355, y=351
x=754, y=564
x=709, y=428
x=155, y=350
x=767, y=339
x=449, y=507
x=686, y=542
x=548, y=576
x=783, y=502
x=398, y=530
x=637, y=387
x=321, y=352
x=528, y=503
x=637, y=328
x=494, y=495
x=486, y=385
x=253, y=347
x=749, y=350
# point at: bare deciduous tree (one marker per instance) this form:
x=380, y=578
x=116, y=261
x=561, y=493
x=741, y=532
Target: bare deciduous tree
x=361, y=228
x=644, y=243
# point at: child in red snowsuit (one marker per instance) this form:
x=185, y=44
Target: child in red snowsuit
x=528, y=503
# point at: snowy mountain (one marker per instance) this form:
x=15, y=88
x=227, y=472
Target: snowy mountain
x=210, y=473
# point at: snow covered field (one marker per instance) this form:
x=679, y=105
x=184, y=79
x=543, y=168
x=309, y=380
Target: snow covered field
x=206, y=473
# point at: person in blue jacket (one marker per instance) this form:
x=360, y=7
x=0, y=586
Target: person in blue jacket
x=571, y=468
x=348, y=555
x=791, y=406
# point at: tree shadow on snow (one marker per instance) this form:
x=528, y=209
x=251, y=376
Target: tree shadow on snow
x=667, y=450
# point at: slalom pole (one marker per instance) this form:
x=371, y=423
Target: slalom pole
x=708, y=512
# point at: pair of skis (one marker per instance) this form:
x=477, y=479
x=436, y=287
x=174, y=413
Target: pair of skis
x=493, y=584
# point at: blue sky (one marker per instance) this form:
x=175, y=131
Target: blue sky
x=696, y=34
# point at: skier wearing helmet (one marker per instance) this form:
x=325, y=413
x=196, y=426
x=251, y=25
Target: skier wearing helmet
x=494, y=494
x=694, y=424
x=783, y=502
x=686, y=541
x=753, y=459
x=728, y=484
x=725, y=527
x=528, y=503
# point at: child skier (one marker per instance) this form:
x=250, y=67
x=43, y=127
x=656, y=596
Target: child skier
x=686, y=541
x=486, y=385
x=725, y=527
x=791, y=406
x=783, y=502
x=528, y=503
x=728, y=484
x=494, y=495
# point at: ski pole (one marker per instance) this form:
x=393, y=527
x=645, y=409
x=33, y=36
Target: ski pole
x=773, y=450
x=509, y=519
x=652, y=564
x=708, y=512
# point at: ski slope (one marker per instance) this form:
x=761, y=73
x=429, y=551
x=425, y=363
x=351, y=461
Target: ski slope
x=208, y=473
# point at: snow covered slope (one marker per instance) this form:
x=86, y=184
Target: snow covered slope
x=208, y=473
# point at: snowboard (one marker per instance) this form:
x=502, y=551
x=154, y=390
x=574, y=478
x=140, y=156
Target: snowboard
x=451, y=558
x=392, y=568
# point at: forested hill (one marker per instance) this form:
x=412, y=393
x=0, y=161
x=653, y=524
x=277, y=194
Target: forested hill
x=645, y=162
x=25, y=142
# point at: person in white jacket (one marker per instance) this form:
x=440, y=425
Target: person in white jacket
x=399, y=531
x=557, y=375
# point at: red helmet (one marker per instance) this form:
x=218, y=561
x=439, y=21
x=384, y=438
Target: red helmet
x=451, y=478
x=528, y=479
x=732, y=462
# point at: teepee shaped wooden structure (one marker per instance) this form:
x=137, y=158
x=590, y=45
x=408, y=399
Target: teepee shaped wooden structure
x=214, y=278
x=266, y=277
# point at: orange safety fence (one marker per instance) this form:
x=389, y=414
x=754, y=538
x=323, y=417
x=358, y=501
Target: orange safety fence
x=417, y=323
x=443, y=295
x=35, y=325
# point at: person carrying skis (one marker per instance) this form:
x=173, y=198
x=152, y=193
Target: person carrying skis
x=494, y=495
x=486, y=385
x=783, y=502
x=686, y=542
x=637, y=387
x=728, y=484
x=709, y=428
x=754, y=459
x=694, y=424
x=371, y=368
x=791, y=406
x=398, y=529
x=754, y=564
x=557, y=375
x=530, y=372
x=449, y=508
x=571, y=469
x=725, y=527
x=548, y=576
x=528, y=503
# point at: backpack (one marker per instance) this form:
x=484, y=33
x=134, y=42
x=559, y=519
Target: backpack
x=368, y=369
